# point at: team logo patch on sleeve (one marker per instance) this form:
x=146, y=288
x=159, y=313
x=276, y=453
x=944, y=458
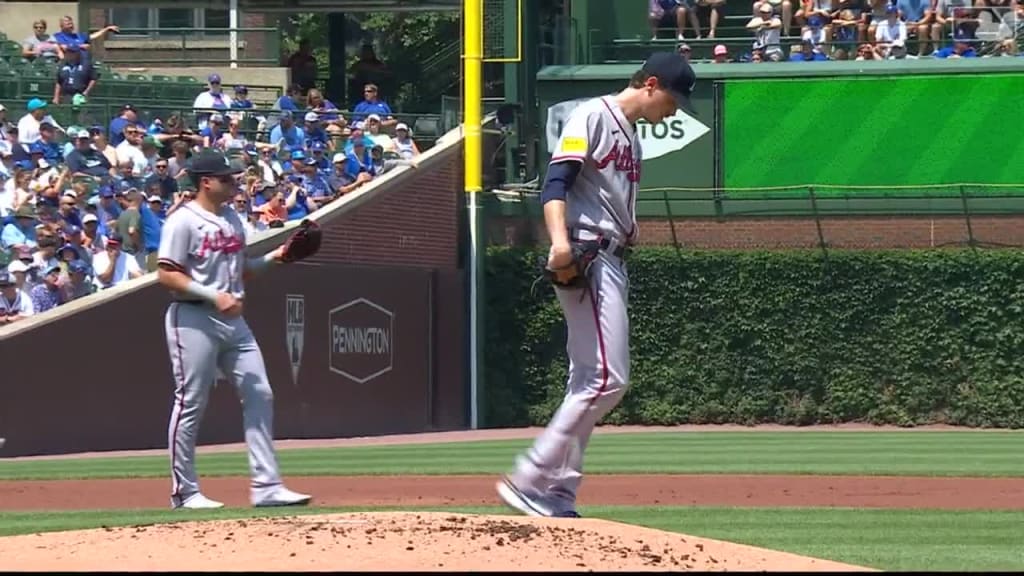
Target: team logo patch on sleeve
x=574, y=145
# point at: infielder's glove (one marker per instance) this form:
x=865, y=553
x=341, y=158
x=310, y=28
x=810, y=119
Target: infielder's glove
x=575, y=273
x=303, y=243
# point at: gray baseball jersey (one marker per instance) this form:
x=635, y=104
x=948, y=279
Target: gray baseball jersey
x=208, y=247
x=604, y=195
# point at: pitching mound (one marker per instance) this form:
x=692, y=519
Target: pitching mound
x=398, y=541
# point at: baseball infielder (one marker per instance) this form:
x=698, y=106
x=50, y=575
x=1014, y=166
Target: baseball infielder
x=589, y=200
x=202, y=261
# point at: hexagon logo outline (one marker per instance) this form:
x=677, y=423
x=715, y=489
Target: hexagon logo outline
x=330, y=339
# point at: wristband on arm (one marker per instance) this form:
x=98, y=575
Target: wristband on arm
x=203, y=292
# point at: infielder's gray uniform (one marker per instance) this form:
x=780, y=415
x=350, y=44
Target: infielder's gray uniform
x=210, y=248
x=602, y=202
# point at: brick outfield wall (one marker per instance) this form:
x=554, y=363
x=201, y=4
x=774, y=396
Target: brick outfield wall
x=875, y=232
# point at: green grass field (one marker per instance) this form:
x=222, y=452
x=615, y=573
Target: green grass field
x=886, y=539
x=984, y=453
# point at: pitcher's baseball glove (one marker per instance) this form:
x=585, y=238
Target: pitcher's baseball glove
x=303, y=243
x=574, y=274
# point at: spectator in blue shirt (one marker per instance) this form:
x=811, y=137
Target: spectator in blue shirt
x=287, y=102
x=314, y=132
x=807, y=53
x=316, y=185
x=318, y=151
x=241, y=99
x=21, y=233
x=147, y=255
x=358, y=159
x=288, y=132
x=127, y=118
x=47, y=143
x=372, y=104
x=961, y=48
x=68, y=37
x=302, y=205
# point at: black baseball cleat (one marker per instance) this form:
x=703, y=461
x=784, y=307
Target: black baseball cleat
x=567, y=514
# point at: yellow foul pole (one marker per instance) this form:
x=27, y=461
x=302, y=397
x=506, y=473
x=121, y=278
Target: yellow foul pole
x=472, y=20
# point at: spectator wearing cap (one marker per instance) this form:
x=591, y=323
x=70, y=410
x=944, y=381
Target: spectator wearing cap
x=241, y=99
x=963, y=46
x=127, y=117
x=28, y=125
x=66, y=254
x=78, y=282
x=296, y=163
x=313, y=131
x=685, y=51
x=372, y=104
x=318, y=151
x=20, y=234
x=130, y=150
x=41, y=44
x=113, y=266
x=47, y=294
x=108, y=210
x=891, y=33
x=315, y=184
x=287, y=133
x=817, y=28
x=720, y=54
x=376, y=136
x=74, y=77
x=14, y=305
x=84, y=160
x=20, y=270
x=328, y=112
x=765, y=26
x=69, y=37
x=404, y=144
x=129, y=223
x=150, y=228
x=74, y=236
x=340, y=181
x=52, y=150
x=92, y=239
x=212, y=100
x=213, y=132
x=358, y=160
x=952, y=16
x=298, y=202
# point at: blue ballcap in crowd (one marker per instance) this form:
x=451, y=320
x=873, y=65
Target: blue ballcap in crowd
x=317, y=146
x=815, y=21
x=71, y=230
x=124, y=187
x=36, y=148
x=311, y=162
x=51, y=269
x=298, y=155
x=78, y=266
x=240, y=89
x=6, y=279
x=892, y=9
x=35, y=104
x=68, y=247
x=97, y=129
x=213, y=78
x=106, y=191
x=286, y=114
x=675, y=75
x=24, y=164
x=251, y=150
x=963, y=35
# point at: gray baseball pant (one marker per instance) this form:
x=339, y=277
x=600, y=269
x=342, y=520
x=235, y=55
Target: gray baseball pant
x=598, y=350
x=201, y=340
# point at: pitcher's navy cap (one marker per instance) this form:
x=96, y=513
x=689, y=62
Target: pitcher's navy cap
x=675, y=75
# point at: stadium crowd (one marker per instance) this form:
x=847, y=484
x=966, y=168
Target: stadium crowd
x=852, y=29
x=81, y=207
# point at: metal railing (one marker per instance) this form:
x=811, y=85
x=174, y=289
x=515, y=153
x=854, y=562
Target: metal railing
x=971, y=202
x=193, y=46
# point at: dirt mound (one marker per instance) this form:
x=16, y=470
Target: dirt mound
x=391, y=541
